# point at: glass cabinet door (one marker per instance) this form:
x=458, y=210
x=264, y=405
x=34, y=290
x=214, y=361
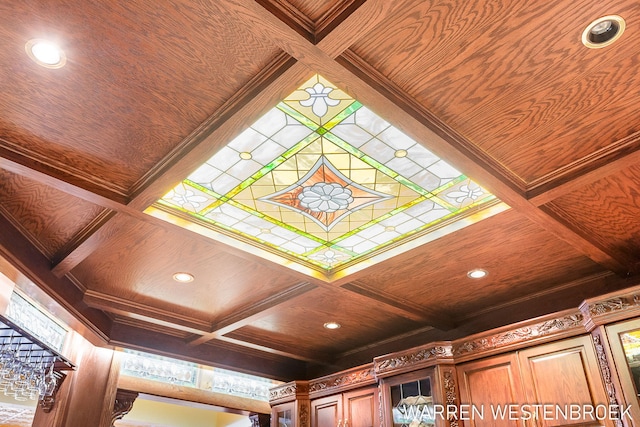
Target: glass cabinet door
x=408, y=400
x=624, y=340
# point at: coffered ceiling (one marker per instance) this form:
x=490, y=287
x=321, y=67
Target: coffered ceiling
x=325, y=120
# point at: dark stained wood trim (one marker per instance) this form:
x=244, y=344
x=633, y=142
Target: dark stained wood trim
x=335, y=17
x=291, y=15
x=217, y=354
x=474, y=157
x=30, y=165
x=110, y=200
x=314, y=357
x=84, y=242
x=609, y=165
x=401, y=307
x=146, y=190
x=255, y=311
x=339, y=382
x=549, y=293
x=127, y=308
x=622, y=263
x=202, y=143
x=15, y=248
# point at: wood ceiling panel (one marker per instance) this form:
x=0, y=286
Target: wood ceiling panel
x=138, y=263
x=521, y=258
x=606, y=210
x=50, y=217
x=139, y=78
x=299, y=325
x=513, y=77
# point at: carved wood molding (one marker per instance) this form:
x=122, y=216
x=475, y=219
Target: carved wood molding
x=304, y=413
x=289, y=391
x=412, y=359
x=605, y=370
x=450, y=394
x=123, y=404
x=610, y=308
x=567, y=324
x=341, y=381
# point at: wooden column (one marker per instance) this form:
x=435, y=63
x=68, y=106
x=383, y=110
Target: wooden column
x=86, y=397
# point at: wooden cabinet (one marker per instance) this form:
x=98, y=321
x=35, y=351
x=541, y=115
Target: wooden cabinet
x=549, y=380
x=356, y=408
x=409, y=398
x=484, y=384
x=624, y=342
x=283, y=415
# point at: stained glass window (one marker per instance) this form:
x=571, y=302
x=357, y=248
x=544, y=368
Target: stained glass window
x=322, y=180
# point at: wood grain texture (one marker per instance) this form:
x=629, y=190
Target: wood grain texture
x=139, y=262
x=139, y=78
x=300, y=324
x=50, y=217
x=606, y=210
x=435, y=275
x=513, y=77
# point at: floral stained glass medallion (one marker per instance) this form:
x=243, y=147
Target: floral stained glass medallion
x=320, y=182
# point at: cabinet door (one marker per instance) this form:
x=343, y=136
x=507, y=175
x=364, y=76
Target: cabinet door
x=327, y=411
x=361, y=408
x=488, y=387
x=563, y=374
x=283, y=415
x=624, y=340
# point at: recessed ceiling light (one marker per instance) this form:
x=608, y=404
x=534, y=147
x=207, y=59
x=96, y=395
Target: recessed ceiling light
x=332, y=325
x=245, y=155
x=603, y=31
x=183, y=277
x=45, y=53
x=477, y=273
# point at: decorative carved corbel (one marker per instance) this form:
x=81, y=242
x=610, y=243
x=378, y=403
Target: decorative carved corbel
x=123, y=404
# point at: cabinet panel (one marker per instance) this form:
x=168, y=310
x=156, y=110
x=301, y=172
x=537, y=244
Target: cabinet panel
x=563, y=374
x=487, y=384
x=361, y=408
x=326, y=411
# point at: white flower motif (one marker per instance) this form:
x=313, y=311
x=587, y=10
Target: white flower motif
x=186, y=198
x=465, y=192
x=325, y=197
x=319, y=100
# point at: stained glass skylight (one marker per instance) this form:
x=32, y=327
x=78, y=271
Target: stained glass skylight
x=323, y=182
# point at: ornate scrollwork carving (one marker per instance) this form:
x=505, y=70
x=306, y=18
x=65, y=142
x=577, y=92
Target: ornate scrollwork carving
x=450, y=395
x=123, y=404
x=605, y=369
x=608, y=306
x=305, y=410
x=342, y=380
x=519, y=335
x=413, y=358
x=287, y=390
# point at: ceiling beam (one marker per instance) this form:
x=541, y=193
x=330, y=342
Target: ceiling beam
x=25, y=257
x=398, y=306
x=253, y=312
x=623, y=159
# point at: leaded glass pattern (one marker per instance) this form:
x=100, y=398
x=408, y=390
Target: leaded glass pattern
x=323, y=180
x=32, y=319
